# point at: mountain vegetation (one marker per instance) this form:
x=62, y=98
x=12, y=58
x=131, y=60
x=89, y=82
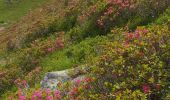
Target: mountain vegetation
x=124, y=44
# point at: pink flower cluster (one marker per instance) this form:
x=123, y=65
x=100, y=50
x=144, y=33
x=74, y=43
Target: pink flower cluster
x=40, y=95
x=73, y=91
x=109, y=11
x=146, y=88
x=21, y=83
x=57, y=94
x=52, y=46
x=36, y=95
x=86, y=15
x=47, y=94
x=137, y=34
x=83, y=83
x=115, y=7
x=21, y=96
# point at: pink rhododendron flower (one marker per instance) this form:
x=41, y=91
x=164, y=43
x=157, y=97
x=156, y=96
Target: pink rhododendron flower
x=57, y=94
x=24, y=83
x=146, y=88
x=74, y=91
x=22, y=97
x=33, y=97
x=88, y=79
x=145, y=31
x=137, y=35
x=50, y=49
x=38, y=94
x=78, y=82
x=49, y=97
x=48, y=91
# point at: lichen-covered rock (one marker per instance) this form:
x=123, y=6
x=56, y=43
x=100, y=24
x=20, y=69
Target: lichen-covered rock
x=51, y=79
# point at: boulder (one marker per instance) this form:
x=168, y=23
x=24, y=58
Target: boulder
x=53, y=79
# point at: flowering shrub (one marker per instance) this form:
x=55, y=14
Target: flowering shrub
x=135, y=66
x=41, y=94
x=164, y=18
x=51, y=46
x=114, y=9
x=30, y=57
x=28, y=62
x=7, y=78
x=21, y=84
x=111, y=13
x=69, y=90
x=33, y=76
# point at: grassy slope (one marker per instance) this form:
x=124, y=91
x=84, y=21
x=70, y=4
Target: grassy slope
x=59, y=60
x=9, y=14
x=17, y=10
x=31, y=22
x=73, y=55
x=56, y=61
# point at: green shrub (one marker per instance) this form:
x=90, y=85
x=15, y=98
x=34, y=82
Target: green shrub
x=137, y=66
x=87, y=50
x=164, y=18
x=7, y=78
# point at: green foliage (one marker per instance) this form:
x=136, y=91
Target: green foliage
x=79, y=33
x=164, y=18
x=73, y=55
x=56, y=61
x=7, y=78
x=128, y=65
x=138, y=63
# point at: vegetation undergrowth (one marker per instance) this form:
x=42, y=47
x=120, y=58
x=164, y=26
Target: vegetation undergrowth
x=124, y=42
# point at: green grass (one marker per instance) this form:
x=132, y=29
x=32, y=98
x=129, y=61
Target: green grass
x=56, y=61
x=73, y=55
x=15, y=11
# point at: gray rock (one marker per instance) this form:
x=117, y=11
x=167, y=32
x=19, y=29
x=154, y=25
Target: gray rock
x=58, y=75
x=51, y=79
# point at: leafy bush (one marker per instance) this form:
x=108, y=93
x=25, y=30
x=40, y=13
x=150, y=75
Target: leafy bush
x=71, y=91
x=135, y=67
x=100, y=16
x=164, y=18
x=87, y=50
x=29, y=58
x=7, y=78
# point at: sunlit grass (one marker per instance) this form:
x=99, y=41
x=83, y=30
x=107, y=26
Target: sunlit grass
x=56, y=61
x=11, y=13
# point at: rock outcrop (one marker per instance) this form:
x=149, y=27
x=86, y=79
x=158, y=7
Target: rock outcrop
x=52, y=79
